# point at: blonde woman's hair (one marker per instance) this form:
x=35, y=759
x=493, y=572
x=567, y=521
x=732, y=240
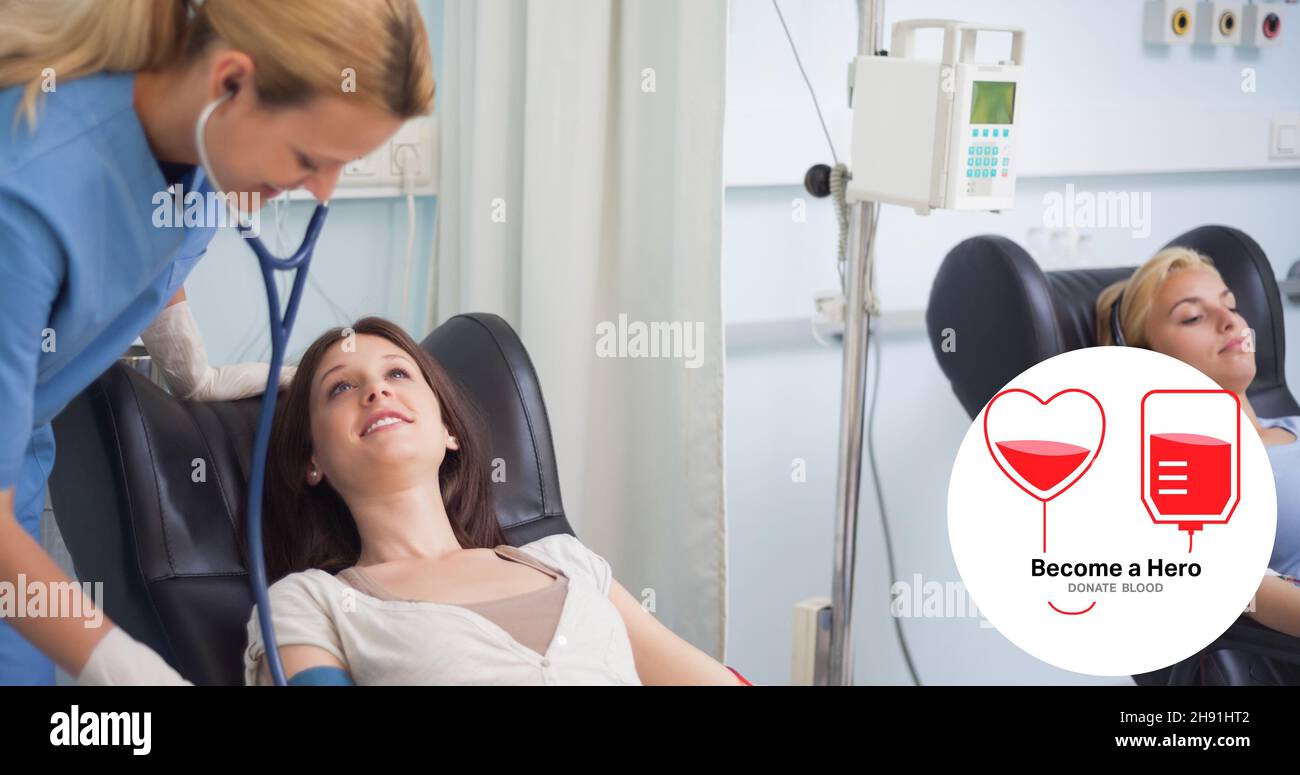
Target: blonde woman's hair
x=1140, y=292
x=374, y=50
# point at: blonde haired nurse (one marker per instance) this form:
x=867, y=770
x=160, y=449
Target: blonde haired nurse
x=98, y=106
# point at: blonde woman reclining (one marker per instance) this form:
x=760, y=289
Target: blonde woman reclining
x=1177, y=304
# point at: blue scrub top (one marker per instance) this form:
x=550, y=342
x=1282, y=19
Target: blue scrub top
x=83, y=267
x=1285, y=460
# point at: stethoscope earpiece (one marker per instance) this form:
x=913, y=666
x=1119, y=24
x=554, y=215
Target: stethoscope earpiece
x=200, y=146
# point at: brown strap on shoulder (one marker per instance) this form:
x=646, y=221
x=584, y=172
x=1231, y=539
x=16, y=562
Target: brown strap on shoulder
x=361, y=581
x=519, y=555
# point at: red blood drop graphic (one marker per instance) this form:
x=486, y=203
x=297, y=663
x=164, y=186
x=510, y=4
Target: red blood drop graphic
x=1044, y=464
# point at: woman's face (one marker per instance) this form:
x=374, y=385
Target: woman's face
x=374, y=420
x=1193, y=318
x=256, y=149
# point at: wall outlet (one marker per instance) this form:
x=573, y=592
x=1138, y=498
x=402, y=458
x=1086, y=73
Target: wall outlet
x=1170, y=22
x=1261, y=25
x=379, y=174
x=1218, y=24
x=1284, y=136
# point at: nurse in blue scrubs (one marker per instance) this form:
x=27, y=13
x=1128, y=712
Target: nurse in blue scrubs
x=98, y=106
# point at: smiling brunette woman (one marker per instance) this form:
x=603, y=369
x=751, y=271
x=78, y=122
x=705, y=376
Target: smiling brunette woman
x=392, y=566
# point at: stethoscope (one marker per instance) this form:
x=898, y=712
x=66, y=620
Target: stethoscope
x=281, y=328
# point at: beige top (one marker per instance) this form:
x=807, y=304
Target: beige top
x=530, y=617
x=386, y=641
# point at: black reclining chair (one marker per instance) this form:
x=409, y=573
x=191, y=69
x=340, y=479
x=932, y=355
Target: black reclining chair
x=1012, y=315
x=165, y=547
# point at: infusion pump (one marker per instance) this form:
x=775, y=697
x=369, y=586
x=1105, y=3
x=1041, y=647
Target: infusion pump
x=936, y=134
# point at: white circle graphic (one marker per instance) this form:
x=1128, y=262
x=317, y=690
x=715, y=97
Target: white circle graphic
x=1112, y=511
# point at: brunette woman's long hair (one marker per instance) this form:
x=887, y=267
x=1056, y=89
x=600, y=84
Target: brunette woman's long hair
x=311, y=527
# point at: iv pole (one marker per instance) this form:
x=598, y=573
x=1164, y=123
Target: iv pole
x=852, y=398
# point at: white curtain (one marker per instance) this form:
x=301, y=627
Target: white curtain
x=581, y=181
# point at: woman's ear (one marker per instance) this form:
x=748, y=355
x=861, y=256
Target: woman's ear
x=231, y=71
x=452, y=443
x=314, y=474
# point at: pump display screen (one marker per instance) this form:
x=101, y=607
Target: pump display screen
x=992, y=102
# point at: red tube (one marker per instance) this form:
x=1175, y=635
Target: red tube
x=742, y=678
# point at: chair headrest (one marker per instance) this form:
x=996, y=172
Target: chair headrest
x=993, y=312
x=485, y=357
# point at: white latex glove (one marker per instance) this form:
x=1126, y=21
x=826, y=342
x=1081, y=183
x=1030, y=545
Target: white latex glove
x=120, y=660
x=174, y=343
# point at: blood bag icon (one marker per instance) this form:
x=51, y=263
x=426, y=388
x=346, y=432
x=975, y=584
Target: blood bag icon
x=1191, y=457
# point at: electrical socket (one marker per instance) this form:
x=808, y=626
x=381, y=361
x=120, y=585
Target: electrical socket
x=1169, y=22
x=1218, y=23
x=1261, y=25
x=379, y=174
x=1284, y=136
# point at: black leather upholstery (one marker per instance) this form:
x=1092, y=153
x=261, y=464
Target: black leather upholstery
x=988, y=289
x=133, y=515
x=1008, y=314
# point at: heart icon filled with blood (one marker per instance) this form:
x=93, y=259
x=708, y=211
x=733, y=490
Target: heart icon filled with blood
x=1044, y=447
x=1043, y=464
